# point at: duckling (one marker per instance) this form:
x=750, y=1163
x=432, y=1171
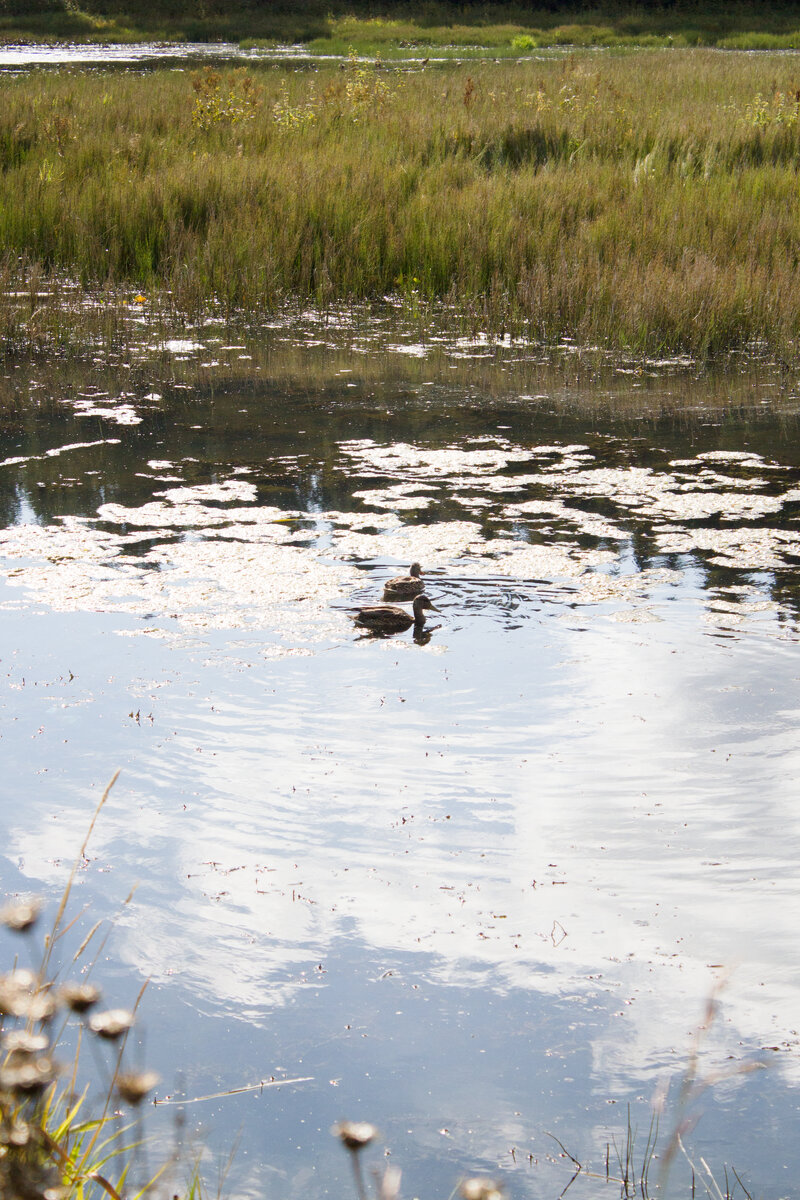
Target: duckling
x=405, y=587
x=390, y=618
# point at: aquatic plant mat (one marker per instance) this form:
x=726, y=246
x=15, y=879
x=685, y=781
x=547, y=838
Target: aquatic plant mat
x=644, y=201
x=233, y=554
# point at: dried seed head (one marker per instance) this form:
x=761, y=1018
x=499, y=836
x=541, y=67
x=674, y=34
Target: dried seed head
x=133, y=1086
x=22, y=1073
x=19, y=1041
x=111, y=1024
x=41, y=1007
x=79, y=997
x=480, y=1188
x=15, y=1133
x=20, y=915
x=20, y=997
x=16, y=990
x=23, y=979
x=355, y=1135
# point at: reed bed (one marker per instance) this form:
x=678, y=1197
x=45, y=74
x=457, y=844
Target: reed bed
x=646, y=201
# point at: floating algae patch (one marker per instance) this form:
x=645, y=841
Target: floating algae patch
x=641, y=615
x=437, y=545
x=200, y=582
x=416, y=462
x=79, y=586
x=397, y=497
x=120, y=410
x=73, y=539
x=192, y=514
x=744, y=548
x=229, y=585
x=605, y=588
x=743, y=457
x=224, y=493
x=158, y=515
x=663, y=496
x=580, y=521
x=56, y=451
x=524, y=561
x=642, y=493
x=698, y=506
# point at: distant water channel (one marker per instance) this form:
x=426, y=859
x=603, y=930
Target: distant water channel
x=64, y=54
x=476, y=886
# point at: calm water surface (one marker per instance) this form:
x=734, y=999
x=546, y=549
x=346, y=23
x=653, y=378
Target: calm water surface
x=476, y=885
x=26, y=55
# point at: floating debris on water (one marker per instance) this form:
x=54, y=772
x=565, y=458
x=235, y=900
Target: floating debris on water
x=209, y=555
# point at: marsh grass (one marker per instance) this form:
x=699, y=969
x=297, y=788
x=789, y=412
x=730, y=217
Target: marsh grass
x=647, y=202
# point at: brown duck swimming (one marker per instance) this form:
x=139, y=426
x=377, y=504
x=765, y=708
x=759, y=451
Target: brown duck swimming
x=390, y=618
x=405, y=587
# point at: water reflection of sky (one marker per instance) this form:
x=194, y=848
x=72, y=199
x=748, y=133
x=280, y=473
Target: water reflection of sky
x=28, y=55
x=482, y=886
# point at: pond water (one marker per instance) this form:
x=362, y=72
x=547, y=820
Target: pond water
x=477, y=883
x=61, y=54
x=24, y=56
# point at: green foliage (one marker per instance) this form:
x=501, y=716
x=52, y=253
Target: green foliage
x=390, y=25
x=780, y=109
x=224, y=99
x=366, y=89
x=293, y=116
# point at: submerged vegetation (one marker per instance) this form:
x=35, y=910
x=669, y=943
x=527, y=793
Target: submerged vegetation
x=645, y=201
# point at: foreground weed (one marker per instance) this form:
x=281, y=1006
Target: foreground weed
x=51, y=1146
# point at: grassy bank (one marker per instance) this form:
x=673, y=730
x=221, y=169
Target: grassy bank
x=507, y=28
x=645, y=201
